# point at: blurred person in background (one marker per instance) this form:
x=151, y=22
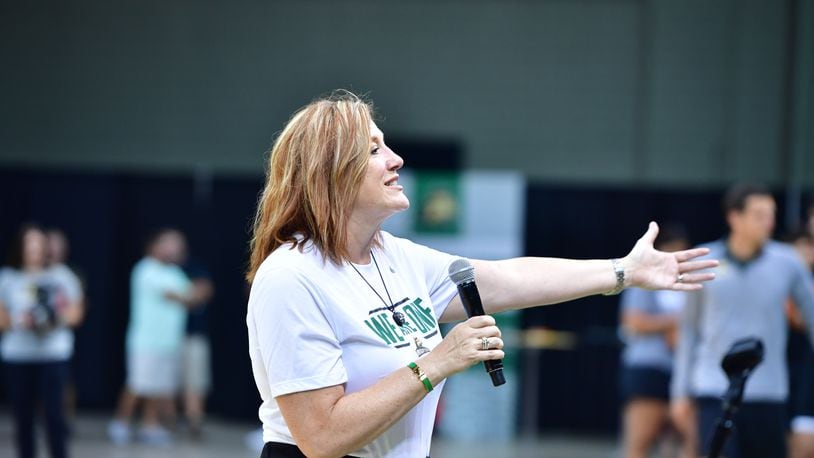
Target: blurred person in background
x=649, y=322
x=38, y=307
x=343, y=317
x=755, y=279
x=58, y=251
x=160, y=294
x=801, y=362
x=196, y=377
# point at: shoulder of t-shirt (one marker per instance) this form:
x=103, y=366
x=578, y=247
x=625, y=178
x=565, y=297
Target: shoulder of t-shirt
x=392, y=242
x=389, y=240
x=782, y=251
x=299, y=274
x=142, y=264
x=63, y=272
x=290, y=262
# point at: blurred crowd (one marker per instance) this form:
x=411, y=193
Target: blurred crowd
x=670, y=377
x=167, y=349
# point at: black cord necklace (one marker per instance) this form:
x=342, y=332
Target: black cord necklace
x=398, y=317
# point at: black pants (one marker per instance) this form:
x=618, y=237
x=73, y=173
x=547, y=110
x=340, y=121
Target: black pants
x=280, y=450
x=28, y=382
x=759, y=432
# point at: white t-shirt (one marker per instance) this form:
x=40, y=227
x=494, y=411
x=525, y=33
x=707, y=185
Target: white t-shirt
x=20, y=292
x=313, y=324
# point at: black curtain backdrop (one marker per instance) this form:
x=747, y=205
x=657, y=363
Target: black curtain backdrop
x=107, y=217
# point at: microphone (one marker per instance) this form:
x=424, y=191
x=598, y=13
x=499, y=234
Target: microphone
x=742, y=358
x=738, y=363
x=462, y=273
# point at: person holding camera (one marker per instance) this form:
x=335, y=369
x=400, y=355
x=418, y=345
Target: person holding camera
x=38, y=307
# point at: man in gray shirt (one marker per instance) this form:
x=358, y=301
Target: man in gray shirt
x=755, y=278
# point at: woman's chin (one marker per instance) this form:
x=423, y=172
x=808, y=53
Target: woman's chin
x=398, y=208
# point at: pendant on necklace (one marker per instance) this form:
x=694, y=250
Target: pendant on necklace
x=398, y=317
x=420, y=349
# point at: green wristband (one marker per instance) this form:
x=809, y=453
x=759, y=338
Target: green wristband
x=422, y=377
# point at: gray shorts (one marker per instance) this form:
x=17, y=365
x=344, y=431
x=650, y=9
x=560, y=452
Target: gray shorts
x=196, y=376
x=153, y=374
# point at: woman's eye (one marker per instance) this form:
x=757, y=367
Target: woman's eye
x=374, y=150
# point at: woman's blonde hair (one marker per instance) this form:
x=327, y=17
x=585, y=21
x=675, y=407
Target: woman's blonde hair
x=314, y=173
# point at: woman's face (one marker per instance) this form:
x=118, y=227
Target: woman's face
x=34, y=249
x=380, y=194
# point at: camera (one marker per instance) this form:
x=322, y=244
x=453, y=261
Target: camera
x=44, y=313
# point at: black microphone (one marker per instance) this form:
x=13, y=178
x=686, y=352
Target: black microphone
x=742, y=358
x=462, y=273
x=738, y=363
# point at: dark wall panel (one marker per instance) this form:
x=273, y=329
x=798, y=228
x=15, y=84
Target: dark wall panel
x=107, y=217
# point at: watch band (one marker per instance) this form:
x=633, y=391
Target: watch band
x=619, y=271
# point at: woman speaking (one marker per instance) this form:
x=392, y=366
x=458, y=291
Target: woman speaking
x=343, y=317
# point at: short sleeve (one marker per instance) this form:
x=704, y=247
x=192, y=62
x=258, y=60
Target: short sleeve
x=297, y=344
x=435, y=265
x=637, y=300
x=69, y=283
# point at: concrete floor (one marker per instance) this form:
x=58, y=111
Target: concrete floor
x=225, y=439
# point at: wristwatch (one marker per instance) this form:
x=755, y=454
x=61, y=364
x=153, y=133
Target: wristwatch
x=619, y=271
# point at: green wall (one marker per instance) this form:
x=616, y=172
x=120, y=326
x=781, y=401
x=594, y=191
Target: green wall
x=690, y=93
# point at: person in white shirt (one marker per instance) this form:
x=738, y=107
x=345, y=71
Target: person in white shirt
x=343, y=317
x=39, y=306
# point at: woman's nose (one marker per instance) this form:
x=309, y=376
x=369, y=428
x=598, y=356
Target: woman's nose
x=396, y=162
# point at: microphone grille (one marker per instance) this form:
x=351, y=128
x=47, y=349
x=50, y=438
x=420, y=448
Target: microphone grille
x=461, y=271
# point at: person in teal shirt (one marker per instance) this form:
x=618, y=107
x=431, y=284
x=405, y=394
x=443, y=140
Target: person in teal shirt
x=160, y=294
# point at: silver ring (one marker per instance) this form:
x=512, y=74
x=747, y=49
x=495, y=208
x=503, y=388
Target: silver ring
x=680, y=278
x=484, y=343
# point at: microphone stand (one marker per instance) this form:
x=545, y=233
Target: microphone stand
x=738, y=364
x=731, y=402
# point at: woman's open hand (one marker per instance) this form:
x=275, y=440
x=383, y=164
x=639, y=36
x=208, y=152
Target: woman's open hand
x=648, y=268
